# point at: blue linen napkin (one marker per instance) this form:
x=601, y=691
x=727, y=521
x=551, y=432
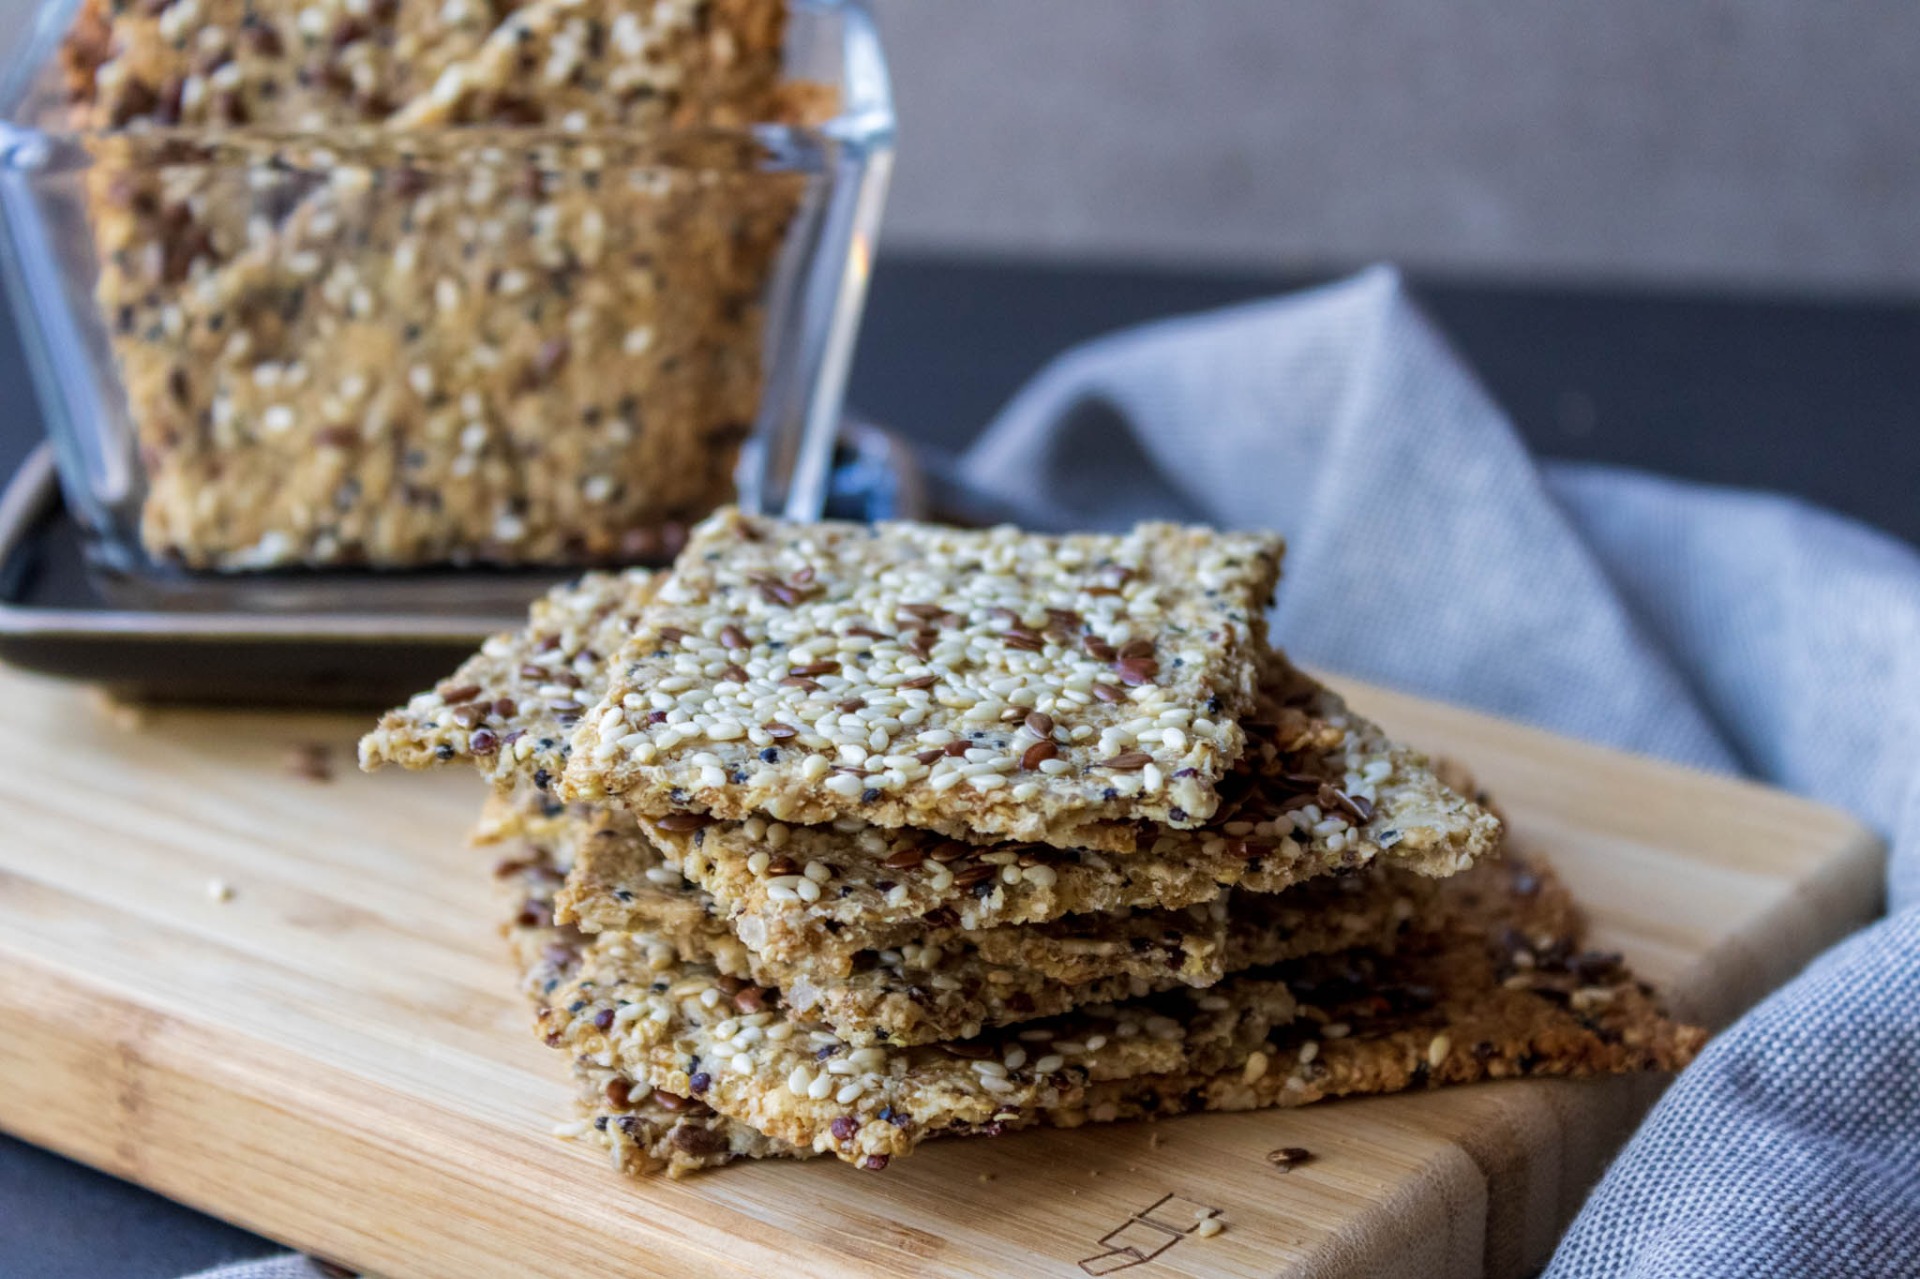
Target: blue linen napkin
x=1726, y=630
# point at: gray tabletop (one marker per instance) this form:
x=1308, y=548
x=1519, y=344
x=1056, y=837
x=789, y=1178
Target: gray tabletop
x=1809, y=397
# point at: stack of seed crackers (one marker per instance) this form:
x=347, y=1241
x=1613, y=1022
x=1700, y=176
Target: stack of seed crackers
x=410, y=282
x=835, y=838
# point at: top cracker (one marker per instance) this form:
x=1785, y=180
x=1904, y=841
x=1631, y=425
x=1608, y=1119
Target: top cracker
x=963, y=681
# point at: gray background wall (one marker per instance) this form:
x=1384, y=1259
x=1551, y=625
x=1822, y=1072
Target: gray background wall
x=1770, y=143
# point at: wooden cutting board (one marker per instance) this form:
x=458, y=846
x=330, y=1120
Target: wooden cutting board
x=336, y=1055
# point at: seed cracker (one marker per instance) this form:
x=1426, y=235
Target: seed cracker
x=987, y=681
x=1303, y=724
x=510, y=708
x=1320, y=790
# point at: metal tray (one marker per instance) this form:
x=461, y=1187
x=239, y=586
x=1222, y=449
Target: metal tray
x=56, y=619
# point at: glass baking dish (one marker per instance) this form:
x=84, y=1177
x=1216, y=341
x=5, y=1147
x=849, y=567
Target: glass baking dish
x=526, y=299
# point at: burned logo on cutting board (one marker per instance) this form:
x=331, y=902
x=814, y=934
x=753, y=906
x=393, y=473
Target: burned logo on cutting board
x=1150, y=1232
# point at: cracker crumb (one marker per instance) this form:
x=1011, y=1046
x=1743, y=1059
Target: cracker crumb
x=311, y=760
x=1287, y=1158
x=125, y=716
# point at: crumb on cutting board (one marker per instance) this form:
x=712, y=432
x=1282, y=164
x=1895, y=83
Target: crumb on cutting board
x=311, y=760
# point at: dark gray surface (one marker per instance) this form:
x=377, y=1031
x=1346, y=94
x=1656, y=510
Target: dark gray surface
x=59, y=1220
x=1814, y=398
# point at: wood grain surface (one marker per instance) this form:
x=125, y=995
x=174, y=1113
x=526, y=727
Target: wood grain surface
x=335, y=1054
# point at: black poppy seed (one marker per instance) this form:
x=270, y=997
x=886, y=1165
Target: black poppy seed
x=771, y=754
x=869, y=795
